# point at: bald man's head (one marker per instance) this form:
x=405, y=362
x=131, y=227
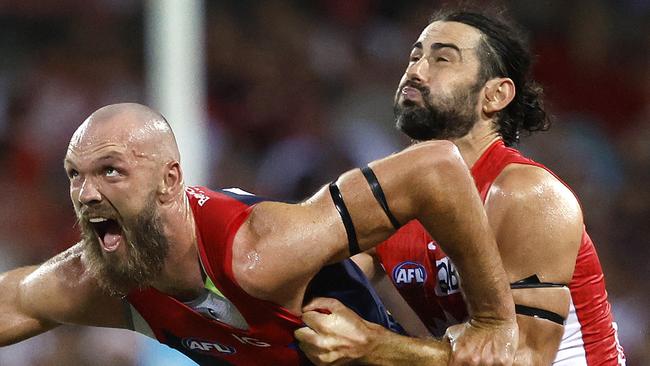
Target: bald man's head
x=125, y=183
x=134, y=125
x=124, y=145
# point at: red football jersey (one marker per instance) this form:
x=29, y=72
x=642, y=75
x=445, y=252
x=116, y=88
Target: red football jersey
x=427, y=279
x=226, y=326
x=269, y=337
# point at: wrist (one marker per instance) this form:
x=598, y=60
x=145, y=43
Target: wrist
x=376, y=335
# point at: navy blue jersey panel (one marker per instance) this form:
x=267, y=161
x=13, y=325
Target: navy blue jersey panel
x=247, y=199
x=346, y=282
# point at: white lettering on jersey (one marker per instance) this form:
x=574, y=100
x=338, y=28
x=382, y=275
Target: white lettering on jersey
x=198, y=194
x=251, y=341
x=199, y=345
x=448, y=281
x=409, y=273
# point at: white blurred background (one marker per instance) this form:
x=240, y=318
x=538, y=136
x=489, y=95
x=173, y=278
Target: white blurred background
x=278, y=97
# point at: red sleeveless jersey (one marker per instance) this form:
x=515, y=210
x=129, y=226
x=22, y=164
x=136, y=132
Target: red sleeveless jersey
x=269, y=337
x=428, y=280
x=265, y=332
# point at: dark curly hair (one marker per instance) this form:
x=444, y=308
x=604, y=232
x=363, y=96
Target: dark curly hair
x=504, y=53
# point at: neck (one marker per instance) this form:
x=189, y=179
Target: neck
x=181, y=274
x=474, y=144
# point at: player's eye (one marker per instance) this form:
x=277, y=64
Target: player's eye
x=111, y=172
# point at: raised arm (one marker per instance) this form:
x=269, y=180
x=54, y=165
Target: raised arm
x=282, y=246
x=36, y=299
x=523, y=203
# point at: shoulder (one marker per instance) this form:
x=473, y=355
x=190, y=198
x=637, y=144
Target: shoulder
x=63, y=271
x=63, y=290
x=535, y=188
x=533, y=214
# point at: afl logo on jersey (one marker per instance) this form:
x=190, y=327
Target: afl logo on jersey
x=409, y=273
x=208, y=347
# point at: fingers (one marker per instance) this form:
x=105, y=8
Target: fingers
x=305, y=335
x=481, y=346
x=316, y=347
x=315, y=320
x=320, y=303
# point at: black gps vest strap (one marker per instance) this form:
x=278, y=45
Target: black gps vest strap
x=534, y=282
x=379, y=195
x=539, y=313
x=353, y=244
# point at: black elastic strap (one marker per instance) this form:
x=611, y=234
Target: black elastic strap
x=379, y=195
x=539, y=313
x=534, y=282
x=353, y=244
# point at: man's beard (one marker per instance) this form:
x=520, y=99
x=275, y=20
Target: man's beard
x=146, y=250
x=452, y=118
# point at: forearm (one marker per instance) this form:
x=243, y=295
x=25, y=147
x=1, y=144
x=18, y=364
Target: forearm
x=432, y=184
x=391, y=349
x=459, y=224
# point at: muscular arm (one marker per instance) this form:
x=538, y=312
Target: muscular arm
x=38, y=298
x=538, y=224
x=281, y=246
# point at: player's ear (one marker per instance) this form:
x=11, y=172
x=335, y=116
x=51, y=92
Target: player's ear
x=172, y=182
x=497, y=94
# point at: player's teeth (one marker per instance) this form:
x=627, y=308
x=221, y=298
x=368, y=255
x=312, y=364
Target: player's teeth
x=95, y=220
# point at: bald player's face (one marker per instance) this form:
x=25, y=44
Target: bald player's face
x=113, y=188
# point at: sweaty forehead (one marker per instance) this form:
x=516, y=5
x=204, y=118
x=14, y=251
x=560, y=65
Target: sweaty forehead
x=120, y=133
x=460, y=34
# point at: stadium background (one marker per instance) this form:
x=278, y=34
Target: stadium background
x=298, y=91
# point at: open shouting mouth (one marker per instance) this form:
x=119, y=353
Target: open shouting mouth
x=109, y=232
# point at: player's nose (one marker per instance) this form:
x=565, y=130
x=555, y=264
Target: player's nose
x=89, y=193
x=418, y=71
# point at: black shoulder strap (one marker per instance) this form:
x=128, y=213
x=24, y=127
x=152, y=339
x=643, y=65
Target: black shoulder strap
x=379, y=195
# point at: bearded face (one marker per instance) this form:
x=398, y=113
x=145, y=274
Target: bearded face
x=146, y=247
x=444, y=117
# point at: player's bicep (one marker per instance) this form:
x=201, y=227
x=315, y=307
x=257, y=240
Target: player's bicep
x=533, y=215
x=280, y=246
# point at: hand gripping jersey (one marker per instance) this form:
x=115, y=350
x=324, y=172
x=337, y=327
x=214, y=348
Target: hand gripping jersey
x=428, y=280
x=227, y=326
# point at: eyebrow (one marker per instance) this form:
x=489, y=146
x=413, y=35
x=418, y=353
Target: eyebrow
x=439, y=45
x=108, y=156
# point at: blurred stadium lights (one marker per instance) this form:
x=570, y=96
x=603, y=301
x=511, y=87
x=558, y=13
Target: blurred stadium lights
x=174, y=34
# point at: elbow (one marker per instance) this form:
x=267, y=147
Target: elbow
x=442, y=158
x=442, y=167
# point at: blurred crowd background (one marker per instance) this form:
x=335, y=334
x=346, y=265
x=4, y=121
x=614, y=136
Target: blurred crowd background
x=301, y=90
